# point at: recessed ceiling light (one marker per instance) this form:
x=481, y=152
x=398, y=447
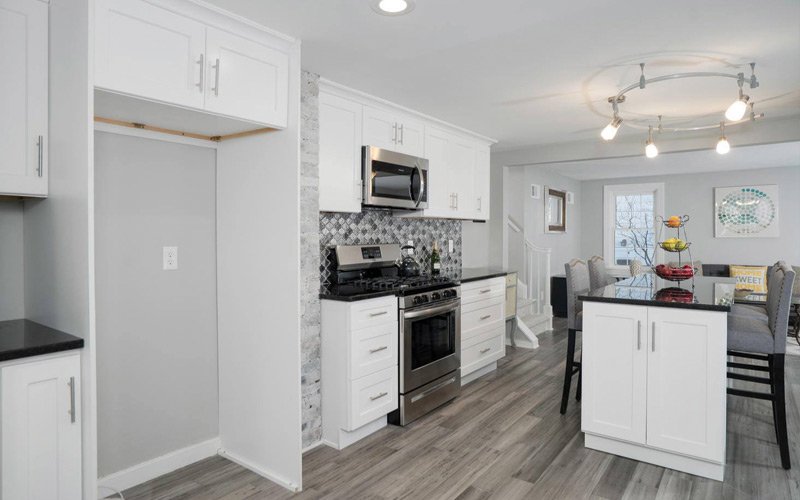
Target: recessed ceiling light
x=392, y=7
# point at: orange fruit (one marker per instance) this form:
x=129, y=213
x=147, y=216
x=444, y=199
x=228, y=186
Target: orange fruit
x=674, y=221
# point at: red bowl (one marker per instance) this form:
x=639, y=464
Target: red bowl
x=674, y=273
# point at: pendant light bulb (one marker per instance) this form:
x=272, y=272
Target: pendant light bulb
x=737, y=110
x=610, y=131
x=650, y=149
x=723, y=146
x=393, y=6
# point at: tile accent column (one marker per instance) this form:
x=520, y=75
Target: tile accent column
x=309, y=259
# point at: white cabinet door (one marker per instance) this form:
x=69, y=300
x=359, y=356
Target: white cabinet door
x=482, y=183
x=438, y=145
x=462, y=177
x=150, y=52
x=380, y=129
x=410, y=137
x=23, y=98
x=614, y=367
x=679, y=399
x=246, y=79
x=339, y=154
x=41, y=430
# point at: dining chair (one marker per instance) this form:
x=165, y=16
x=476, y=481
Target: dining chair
x=751, y=338
x=577, y=283
x=757, y=311
x=598, y=274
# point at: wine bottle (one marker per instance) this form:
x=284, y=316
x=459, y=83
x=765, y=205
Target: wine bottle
x=436, y=264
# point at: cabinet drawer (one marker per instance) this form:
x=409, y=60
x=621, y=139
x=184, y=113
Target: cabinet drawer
x=498, y=331
x=372, y=397
x=481, y=354
x=482, y=290
x=367, y=313
x=482, y=320
x=373, y=349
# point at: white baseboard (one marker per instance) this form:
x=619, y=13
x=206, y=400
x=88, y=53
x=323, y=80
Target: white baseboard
x=263, y=473
x=151, y=469
x=466, y=379
x=312, y=446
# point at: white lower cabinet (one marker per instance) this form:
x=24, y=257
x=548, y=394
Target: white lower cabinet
x=41, y=429
x=654, y=385
x=359, y=368
x=483, y=325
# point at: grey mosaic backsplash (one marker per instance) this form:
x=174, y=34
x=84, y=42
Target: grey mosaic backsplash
x=379, y=226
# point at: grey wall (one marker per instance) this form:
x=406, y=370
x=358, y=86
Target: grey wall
x=12, y=292
x=564, y=246
x=694, y=195
x=156, y=329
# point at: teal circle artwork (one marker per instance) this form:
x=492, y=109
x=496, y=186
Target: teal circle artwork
x=748, y=211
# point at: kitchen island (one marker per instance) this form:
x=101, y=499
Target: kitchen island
x=654, y=371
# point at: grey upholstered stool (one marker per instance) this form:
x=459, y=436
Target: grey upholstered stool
x=750, y=337
x=598, y=274
x=756, y=311
x=577, y=283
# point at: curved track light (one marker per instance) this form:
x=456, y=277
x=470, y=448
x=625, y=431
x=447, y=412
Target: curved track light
x=610, y=131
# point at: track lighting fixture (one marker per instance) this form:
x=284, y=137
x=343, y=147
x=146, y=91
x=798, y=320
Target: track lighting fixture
x=737, y=110
x=723, y=146
x=610, y=131
x=650, y=149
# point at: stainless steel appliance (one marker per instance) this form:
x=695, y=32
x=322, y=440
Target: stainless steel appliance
x=394, y=180
x=429, y=323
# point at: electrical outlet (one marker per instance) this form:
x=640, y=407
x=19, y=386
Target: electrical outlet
x=170, y=258
x=411, y=250
x=450, y=246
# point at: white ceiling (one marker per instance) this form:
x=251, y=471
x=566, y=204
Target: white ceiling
x=530, y=72
x=763, y=156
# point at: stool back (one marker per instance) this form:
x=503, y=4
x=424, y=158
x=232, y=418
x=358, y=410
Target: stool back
x=577, y=283
x=779, y=298
x=598, y=274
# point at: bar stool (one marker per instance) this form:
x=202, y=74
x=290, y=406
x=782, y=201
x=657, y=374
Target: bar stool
x=752, y=338
x=598, y=274
x=577, y=284
x=757, y=311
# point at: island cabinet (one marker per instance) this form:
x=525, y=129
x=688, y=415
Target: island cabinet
x=483, y=319
x=654, y=384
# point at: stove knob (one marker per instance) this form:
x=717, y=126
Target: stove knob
x=448, y=294
x=417, y=300
x=425, y=299
x=436, y=296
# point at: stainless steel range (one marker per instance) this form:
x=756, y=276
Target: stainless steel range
x=429, y=324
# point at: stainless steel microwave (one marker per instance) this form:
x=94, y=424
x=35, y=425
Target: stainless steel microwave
x=394, y=180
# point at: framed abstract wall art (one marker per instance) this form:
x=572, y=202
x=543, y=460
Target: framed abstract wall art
x=746, y=212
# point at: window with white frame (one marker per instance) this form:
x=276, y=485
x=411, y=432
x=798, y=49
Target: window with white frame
x=629, y=223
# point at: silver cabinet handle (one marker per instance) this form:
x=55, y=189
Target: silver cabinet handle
x=639, y=336
x=479, y=203
x=401, y=134
x=201, y=62
x=379, y=396
x=216, y=78
x=486, y=290
x=485, y=350
x=456, y=201
x=71, y=385
x=40, y=145
x=378, y=349
x=394, y=133
x=372, y=315
x=452, y=202
x=359, y=186
x=486, y=317
x=653, y=343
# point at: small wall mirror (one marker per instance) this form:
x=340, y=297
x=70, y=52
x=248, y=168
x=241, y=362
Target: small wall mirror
x=555, y=211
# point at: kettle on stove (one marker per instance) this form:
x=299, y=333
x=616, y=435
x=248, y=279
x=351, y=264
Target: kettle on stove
x=407, y=266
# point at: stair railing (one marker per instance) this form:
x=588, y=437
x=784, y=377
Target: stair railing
x=536, y=272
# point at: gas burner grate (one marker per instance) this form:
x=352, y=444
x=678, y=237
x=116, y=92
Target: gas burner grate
x=397, y=283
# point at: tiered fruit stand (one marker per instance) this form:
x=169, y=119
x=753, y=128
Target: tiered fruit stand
x=680, y=246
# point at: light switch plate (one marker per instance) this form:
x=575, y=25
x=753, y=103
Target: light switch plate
x=449, y=246
x=170, y=258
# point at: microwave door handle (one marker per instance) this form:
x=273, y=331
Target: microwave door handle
x=421, y=184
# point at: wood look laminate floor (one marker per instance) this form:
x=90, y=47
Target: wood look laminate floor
x=505, y=439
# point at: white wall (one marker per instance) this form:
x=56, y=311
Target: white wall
x=156, y=329
x=12, y=291
x=694, y=195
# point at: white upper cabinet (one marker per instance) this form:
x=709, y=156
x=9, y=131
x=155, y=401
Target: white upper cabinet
x=482, y=182
x=246, y=79
x=339, y=154
x=147, y=51
x=393, y=131
x=438, y=147
x=41, y=430
x=461, y=177
x=23, y=98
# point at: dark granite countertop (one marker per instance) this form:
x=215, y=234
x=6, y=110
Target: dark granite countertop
x=21, y=338
x=347, y=293
x=703, y=293
x=480, y=273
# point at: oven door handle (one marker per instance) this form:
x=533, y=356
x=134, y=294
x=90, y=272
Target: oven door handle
x=424, y=313
x=421, y=184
